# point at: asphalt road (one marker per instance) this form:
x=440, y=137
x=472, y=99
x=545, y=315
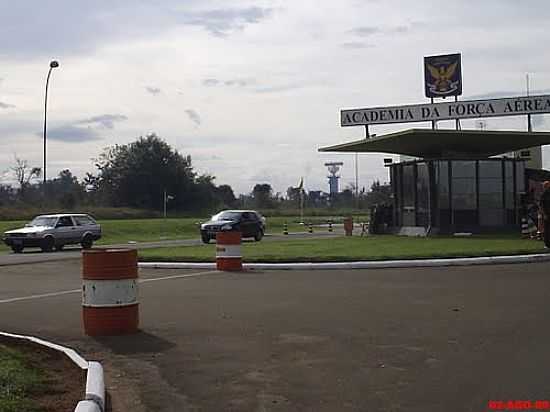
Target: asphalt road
x=425, y=339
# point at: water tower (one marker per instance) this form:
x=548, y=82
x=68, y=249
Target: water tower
x=333, y=169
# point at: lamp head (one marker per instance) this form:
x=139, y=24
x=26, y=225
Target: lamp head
x=54, y=64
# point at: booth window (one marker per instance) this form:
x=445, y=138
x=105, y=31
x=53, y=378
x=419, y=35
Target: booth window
x=409, y=187
x=464, y=185
x=491, y=207
x=422, y=193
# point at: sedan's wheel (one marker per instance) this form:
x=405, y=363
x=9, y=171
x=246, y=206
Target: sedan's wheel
x=259, y=235
x=205, y=239
x=17, y=249
x=47, y=244
x=59, y=248
x=87, y=242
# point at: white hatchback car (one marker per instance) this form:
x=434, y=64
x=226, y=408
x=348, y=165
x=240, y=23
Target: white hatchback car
x=54, y=231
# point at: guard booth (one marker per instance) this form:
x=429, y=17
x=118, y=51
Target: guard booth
x=455, y=182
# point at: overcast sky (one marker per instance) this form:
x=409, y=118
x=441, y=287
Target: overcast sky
x=250, y=89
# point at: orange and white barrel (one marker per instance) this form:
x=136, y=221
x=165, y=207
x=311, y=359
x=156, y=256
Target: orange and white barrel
x=110, y=291
x=228, y=251
x=348, y=225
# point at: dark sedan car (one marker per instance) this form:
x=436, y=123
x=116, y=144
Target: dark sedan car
x=249, y=222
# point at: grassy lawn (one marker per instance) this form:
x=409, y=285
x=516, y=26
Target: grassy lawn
x=355, y=248
x=19, y=382
x=149, y=230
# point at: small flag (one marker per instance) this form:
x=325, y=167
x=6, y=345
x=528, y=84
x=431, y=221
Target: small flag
x=170, y=197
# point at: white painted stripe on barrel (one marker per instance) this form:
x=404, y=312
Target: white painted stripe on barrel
x=225, y=251
x=117, y=292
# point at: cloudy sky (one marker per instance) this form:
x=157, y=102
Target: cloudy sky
x=250, y=89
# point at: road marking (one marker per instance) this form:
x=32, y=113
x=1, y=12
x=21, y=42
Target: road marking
x=67, y=292
x=44, y=295
x=189, y=275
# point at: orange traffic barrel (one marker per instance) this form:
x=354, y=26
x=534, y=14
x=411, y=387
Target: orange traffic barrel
x=110, y=291
x=228, y=251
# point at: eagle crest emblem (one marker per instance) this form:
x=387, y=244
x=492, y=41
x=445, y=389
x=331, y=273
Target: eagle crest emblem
x=443, y=76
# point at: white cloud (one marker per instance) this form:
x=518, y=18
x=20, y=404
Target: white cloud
x=264, y=80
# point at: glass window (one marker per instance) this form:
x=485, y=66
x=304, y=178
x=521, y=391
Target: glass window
x=422, y=186
x=442, y=179
x=509, y=184
x=423, y=194
x=520, y=177
x=83, y=220
x=490, y=194
x=463, y=169
x=464, y=194
x=464, y=185
x=490, y=169
x=43, y=221
x=491, y=217
x=409, y=186
x=65, y=221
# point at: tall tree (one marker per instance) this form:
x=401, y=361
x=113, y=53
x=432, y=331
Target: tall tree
x=137, y=174
x=65, y=190
x=226, y=196
x=262, y=194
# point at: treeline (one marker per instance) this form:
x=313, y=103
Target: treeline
x=146, y=173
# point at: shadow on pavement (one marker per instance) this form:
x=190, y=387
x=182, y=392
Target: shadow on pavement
x=141, y=342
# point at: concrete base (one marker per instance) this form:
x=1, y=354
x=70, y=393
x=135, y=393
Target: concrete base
x=414, y=231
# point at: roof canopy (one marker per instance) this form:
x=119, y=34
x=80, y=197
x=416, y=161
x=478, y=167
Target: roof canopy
x=433, y=144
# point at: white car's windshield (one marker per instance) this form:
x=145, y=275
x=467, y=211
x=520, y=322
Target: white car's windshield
x=43, y=221
x=226, y=216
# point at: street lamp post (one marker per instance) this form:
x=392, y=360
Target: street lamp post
x=53, y=65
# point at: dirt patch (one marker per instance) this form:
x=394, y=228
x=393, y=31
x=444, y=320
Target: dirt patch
x=64, y=382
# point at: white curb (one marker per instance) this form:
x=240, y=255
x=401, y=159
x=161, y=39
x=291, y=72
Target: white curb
x=75, y=357
x=95, y=385
x=95, y=381
x=87, y=406
x=406, y=263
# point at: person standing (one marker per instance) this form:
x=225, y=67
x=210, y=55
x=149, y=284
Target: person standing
x=545, y=209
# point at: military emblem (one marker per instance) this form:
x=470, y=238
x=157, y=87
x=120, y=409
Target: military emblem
x=443, y=75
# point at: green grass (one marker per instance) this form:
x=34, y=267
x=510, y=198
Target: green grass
x=157, y=229
x=147, y=230
x=355, y=248
x=18, y=382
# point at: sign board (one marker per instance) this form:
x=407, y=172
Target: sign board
x=443, y=75
x=466, y=109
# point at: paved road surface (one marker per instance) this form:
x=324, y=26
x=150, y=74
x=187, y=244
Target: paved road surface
x=430, y=339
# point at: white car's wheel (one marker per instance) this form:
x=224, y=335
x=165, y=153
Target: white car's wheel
x=87, y=242
x=47, y=244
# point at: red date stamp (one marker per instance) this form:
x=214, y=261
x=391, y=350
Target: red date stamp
x=519, y=405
